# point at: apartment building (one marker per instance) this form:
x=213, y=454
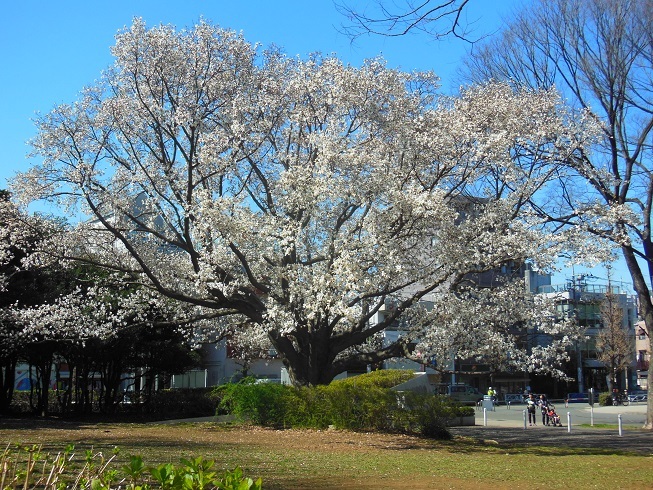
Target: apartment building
x=580, y=299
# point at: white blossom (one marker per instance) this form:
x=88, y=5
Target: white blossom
x=297, y=197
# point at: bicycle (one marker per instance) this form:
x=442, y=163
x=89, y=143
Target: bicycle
x=620, y=399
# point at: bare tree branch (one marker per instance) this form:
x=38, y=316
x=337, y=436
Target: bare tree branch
x=599, y=54
x=437, y=19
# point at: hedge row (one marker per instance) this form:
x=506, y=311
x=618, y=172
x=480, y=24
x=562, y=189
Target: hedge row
x=359, y=403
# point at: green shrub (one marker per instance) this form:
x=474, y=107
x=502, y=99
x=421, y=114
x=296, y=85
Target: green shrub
x=365, y=402
x=360, y=403
x=30, y=468
x=428, y=414
x=364, y=406
x=308, y=408
x=264, y=404
x=384, y=378
x=20, y=403
x=605, y=399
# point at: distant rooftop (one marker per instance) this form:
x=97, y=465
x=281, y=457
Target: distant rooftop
x=579, y=287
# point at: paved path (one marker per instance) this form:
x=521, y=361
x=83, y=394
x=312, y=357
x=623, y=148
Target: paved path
x=506, y=426
x=580, y=414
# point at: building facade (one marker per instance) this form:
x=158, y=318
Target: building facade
x=581, y=301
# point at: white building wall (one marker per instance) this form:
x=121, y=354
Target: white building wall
x=222, y=369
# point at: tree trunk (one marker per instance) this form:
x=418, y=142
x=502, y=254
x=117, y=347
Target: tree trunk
x=64, y=393
x=646, y=312
x=311, y=358
x=43, y=372
x=111, y=377
x=82, y=390
x=309, y=361
x=7, y=381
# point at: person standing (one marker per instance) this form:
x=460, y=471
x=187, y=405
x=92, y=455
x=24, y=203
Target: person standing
x=531, y=404
x=544, y=408
x=492, y=394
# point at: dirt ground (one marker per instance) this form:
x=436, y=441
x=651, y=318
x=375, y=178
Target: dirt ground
x=327, y=458
x=272, y=453
x=35, y=431
x=48, y=431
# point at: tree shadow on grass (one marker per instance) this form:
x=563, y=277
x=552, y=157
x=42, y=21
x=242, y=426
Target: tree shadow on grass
x=137, y=436
x=557, y=441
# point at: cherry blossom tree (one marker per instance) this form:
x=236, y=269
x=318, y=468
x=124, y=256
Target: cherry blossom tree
x=293, y=199
x=22, y=283
x=106, y=327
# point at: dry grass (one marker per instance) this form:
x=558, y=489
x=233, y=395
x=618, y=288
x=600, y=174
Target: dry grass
x=337, y=459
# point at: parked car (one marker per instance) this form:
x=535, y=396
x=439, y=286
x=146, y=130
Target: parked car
x=581, y=398
x=460, y=392
x=578, y=398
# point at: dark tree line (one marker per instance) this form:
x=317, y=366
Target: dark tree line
x=90, y=372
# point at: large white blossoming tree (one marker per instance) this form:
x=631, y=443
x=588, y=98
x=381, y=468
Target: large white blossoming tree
x=291, y=200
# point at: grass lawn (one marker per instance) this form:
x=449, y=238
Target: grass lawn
x=337, y=459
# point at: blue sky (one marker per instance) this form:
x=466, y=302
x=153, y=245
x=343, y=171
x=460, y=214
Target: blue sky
x=51, y=49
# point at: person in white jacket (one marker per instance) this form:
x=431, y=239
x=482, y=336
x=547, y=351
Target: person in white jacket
x=531, y=404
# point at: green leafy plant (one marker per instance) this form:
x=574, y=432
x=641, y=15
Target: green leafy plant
x=234, y=480
x=198, y=474
x=134, y=470
x=262, y=404
x=28, y=468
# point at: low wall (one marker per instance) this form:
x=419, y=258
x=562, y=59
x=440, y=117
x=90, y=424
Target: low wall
x=463, y=420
